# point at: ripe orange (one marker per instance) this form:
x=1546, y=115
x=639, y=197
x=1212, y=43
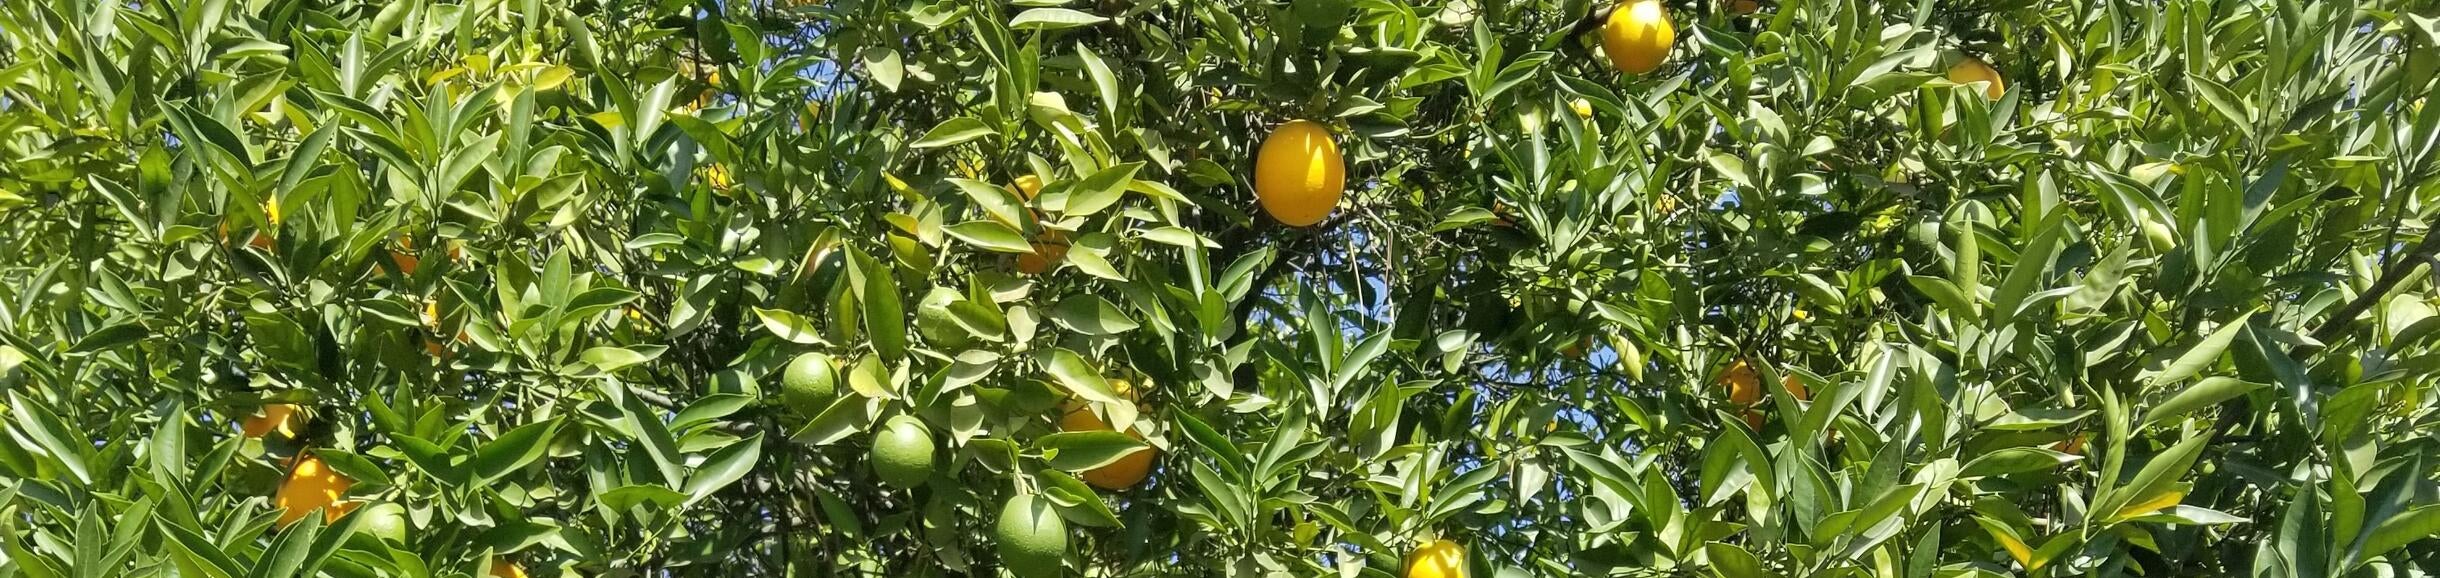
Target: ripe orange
x=281, y=418
x=1637, y=36
x=1744, y=387
x=1299, y=175
x=1049, y=250
x=506, y=569
x=1439, y=559
x=312, y=485
x=1743, y=7
x=1972, y=70
x=1118, y=475
x=1796, y=388
x=1027, y=185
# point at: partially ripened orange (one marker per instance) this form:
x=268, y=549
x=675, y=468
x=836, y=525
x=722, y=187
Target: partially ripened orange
x=1637, y=36
x=280, y=418
x=1972, y=70
x=1299, y=175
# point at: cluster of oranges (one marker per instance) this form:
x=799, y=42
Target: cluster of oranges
x=312, y=485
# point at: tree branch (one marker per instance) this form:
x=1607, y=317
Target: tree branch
x=2394, y=274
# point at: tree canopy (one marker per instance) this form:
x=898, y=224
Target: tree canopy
x=1356, y=288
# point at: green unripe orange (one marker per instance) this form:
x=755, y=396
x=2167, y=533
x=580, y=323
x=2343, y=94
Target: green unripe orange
x=1033, y=541
x=809, y=383
x=902, y=452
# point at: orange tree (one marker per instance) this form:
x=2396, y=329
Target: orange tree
x=1249, y=288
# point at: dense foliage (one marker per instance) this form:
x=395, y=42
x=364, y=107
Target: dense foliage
x=955, y=287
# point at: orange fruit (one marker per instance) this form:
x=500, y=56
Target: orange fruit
x=403, y=256
x=1439, y=559
x=1026, y=186
x=1637, y=36
x=310, y=486
x=506, y=569
x=1049, y=250
x=1118, y=475
x=1795, y=387
x=1972, y=70
x=1299, y=174
x=1744, y=387
x=1743, y=7
x=281, y=418
x=1583, y=108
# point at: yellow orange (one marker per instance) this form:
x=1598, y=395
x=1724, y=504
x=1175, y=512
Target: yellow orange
x=1439, y=559
x=1796, y=388
x=1744, y=387
x=1972, y=70
x=1583, y=108
x=311, y=486
x=1299, y=175
x=506, y=569
x=1637, y=36
x=281, y=418
x=1027, y=185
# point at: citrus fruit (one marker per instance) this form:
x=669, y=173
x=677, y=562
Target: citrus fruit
x=506, y=569
x=403, y=256
x=1583, y=108
x=387, y=521
x=1439, y=559
x=1299, y=175
x=1972, y=70
x=1032, y=539
x=902, y=452
x=1049, y=250
x=280, y=418
x=1796, y=388
x=1637, y=36
x=1744, y=387
x=809, y=383
x=311, y=485
x=1744, y=7
x=1124, y=473
x=1027, y=186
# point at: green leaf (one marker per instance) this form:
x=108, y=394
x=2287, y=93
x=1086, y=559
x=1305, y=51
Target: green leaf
x=1084, y=450
x=1091, y=315
x=1100, y=190
x=2014, y=460
x=513, y=450
x=723, y=468
x=1070, y=371
x=1053, y=19
x=2211, y=391
x=789, y=326
x=990, y=236
x=955, y=131
x=612, y=359
x=2202, y=355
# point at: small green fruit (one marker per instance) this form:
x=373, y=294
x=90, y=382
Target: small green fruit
x=387, y=521
x=1033, y=540
x=902, y=452
x=809, y=383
